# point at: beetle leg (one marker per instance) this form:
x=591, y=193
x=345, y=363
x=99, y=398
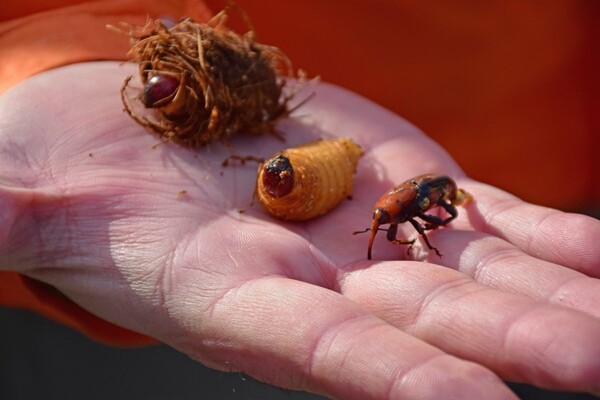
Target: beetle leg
x=450, y=209
x=434, y=222
x=391, y=236
x=391, y=232
x=421, y=231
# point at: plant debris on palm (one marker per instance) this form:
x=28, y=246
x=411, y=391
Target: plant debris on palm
x=204, y=82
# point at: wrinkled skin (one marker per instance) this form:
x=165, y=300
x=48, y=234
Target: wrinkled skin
x=89, y=205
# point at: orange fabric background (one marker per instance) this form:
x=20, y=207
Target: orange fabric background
x=509, y=87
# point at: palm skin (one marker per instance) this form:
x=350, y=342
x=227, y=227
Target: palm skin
x=164, y=240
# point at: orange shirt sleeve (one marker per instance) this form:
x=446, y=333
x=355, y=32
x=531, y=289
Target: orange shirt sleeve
x=39, y=35
x=75, y=32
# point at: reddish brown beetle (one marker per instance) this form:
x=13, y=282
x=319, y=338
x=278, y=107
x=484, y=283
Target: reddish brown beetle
x=412, y=199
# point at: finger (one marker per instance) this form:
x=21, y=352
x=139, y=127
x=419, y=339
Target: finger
x=517, y=337
x=545, y=233
x=493, y=262
x=300, y=336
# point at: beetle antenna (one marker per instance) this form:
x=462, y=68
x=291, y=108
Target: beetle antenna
x=374, y=229
x=368, y=229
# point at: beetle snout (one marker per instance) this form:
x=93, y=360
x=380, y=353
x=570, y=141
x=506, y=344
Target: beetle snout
x=379, y=217
x=374, y=229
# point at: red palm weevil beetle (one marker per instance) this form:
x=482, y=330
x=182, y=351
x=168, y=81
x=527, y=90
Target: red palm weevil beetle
x=412, y=199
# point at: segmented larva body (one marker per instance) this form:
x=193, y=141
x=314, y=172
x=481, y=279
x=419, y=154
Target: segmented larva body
x=304, y=182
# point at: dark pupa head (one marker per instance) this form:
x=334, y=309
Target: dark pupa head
x=159, y=90
x=278, y=176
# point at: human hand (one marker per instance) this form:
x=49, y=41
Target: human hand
x=152, y=238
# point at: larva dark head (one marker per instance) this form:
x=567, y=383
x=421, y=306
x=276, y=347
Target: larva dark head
x=278, y=176
x=159, y=90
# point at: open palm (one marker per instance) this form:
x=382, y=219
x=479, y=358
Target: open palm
x=164, y=240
